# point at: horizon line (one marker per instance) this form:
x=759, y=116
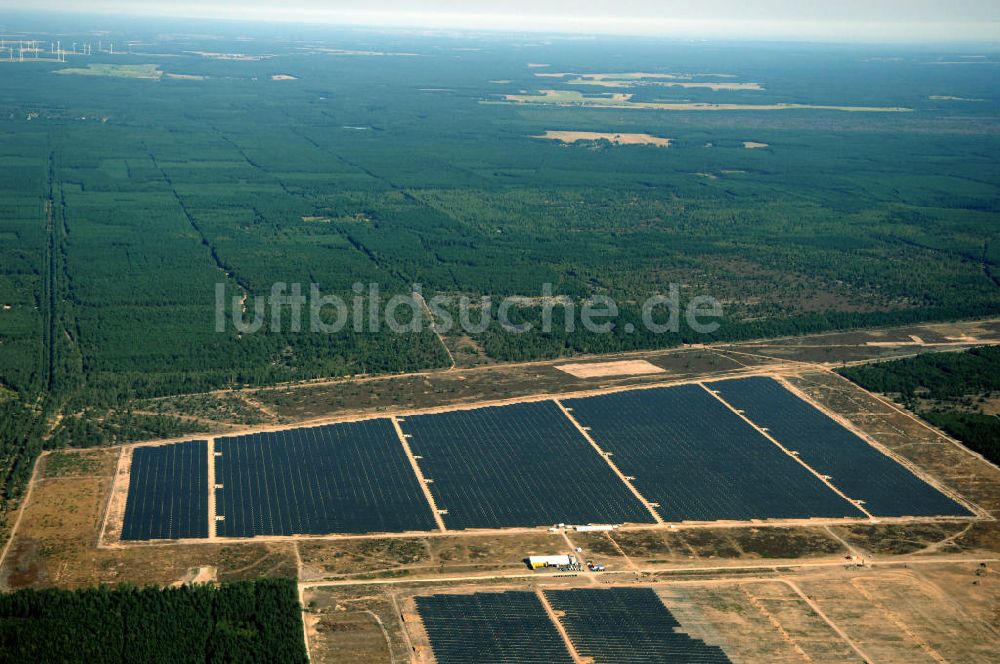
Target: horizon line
x=849, y=33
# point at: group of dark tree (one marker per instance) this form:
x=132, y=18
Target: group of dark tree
x=946, y=389
x=243, y=622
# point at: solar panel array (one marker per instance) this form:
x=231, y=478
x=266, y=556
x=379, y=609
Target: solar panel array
x=491, y=628
x=700, y=461
x=341, y=478
x=855, y=467
x=627, y=625
x=167, y=492
x=518, y=465
x=526, y=465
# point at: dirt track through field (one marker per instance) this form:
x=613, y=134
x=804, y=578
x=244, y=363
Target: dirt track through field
x=836, y=628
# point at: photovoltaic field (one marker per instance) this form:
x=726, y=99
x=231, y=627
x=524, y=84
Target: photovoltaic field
x=527, y=465
x=700, y=461
x=167, y=492
x=342, y=478
x=609, y=625
x=491, y=628
x=519, y=465
x=855, y=467
x=627, y=625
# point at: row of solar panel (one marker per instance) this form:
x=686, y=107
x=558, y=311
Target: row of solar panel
x=627, y=625
x=528, y=464
x=168, y=492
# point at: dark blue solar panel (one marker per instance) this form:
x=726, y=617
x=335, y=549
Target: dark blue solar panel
x=700, y=461
x=519, y=465
x=859, y=470
x=167, y=492
x=627, y=625
x=491, y=628
x=341, y=478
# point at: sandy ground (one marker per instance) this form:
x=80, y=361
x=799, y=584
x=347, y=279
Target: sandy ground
x=695, y=85
x=602, y=369
x=618, y=139
x=241, y=57
x=839, y=612
x=204, y=574
x=577, y=99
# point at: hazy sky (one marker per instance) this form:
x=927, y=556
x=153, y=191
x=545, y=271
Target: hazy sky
x=827, y=20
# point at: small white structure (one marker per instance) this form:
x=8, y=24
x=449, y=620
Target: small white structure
x=595, y=529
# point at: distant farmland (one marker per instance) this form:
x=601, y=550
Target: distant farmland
x=739, y=450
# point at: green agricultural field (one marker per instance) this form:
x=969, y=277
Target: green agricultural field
x=119, y=71
x=124, y=204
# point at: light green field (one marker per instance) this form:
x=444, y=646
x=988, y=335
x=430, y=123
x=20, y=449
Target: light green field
x=119, y=71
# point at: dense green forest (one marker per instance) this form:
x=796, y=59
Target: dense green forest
x=939, y=376
x=252, y=621
x=949, y=390
x=126, y=201
x=978, y=432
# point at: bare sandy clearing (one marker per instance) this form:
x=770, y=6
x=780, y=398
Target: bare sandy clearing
x=341, y=51
x=241, y=57
x=635, y=75
x=715, y=86
x=950, y=98
x=284, y=77
x=579, y=100
x=753, y=145
x=618, y=139
x=605, y=369
x=600, y=84
x=617, y=83
x=203, y=574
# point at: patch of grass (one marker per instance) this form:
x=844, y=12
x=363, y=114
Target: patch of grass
x=118, y=71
